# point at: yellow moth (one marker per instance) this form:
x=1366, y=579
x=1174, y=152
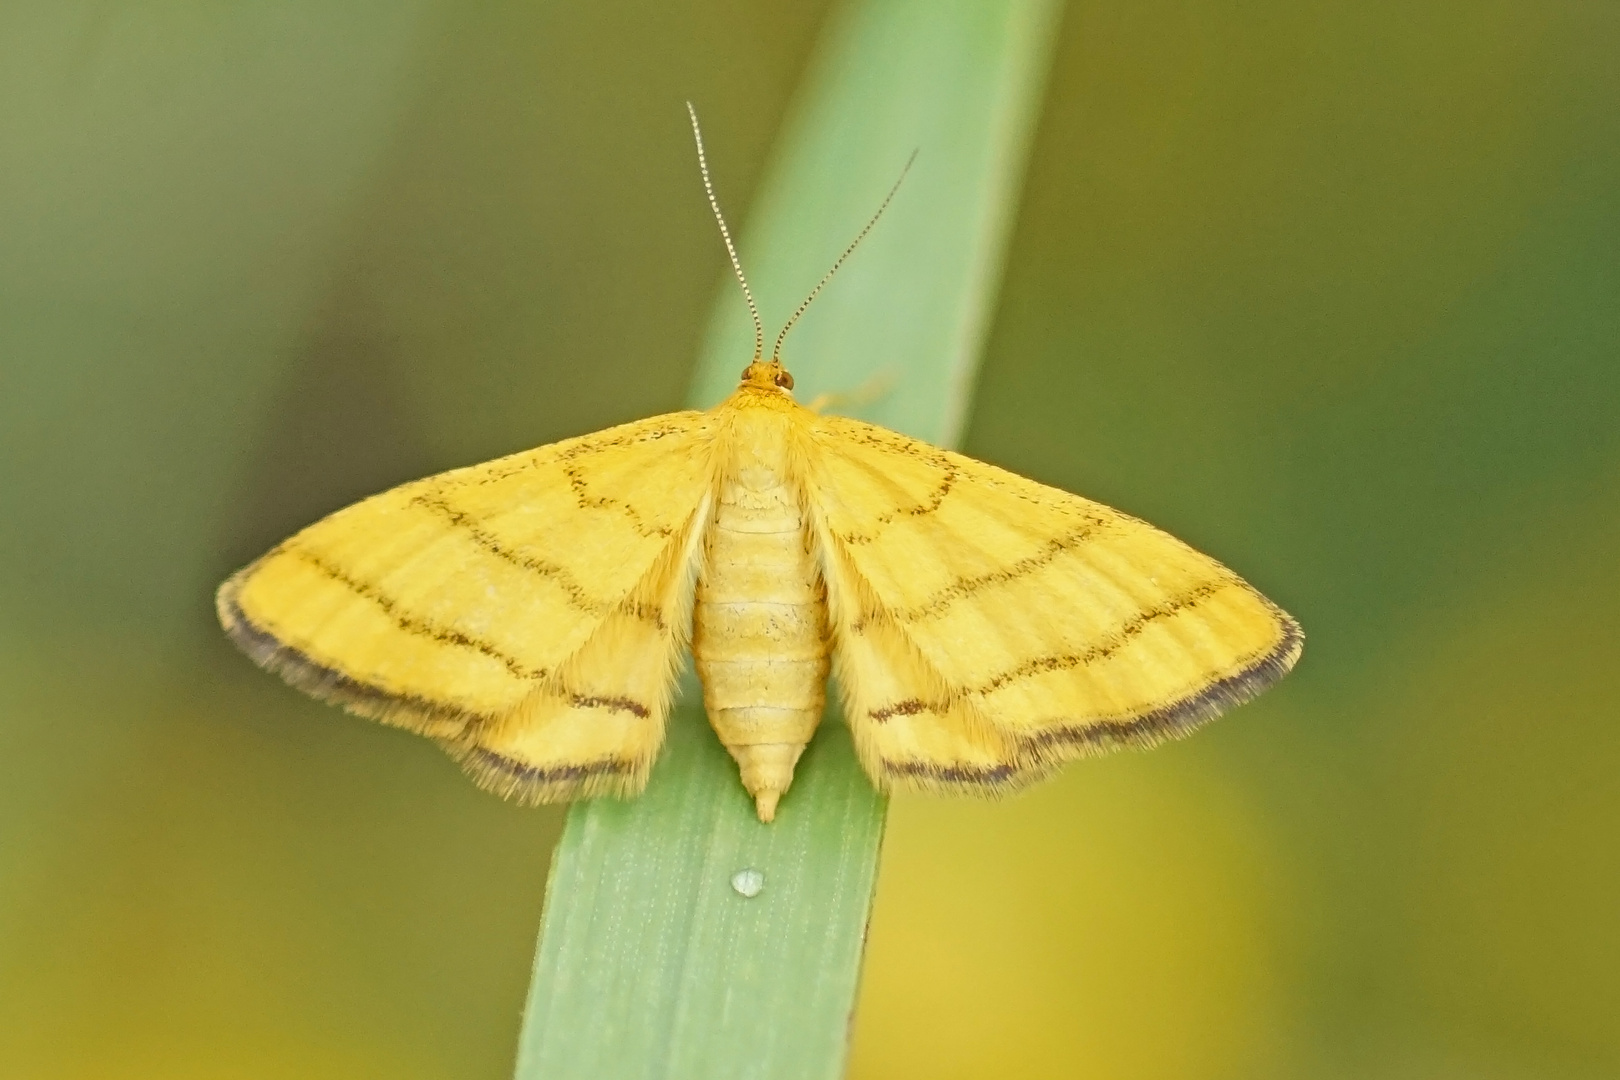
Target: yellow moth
x=531, y=613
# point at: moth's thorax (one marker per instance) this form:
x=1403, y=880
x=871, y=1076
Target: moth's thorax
x=760, y=621
x=760, y=425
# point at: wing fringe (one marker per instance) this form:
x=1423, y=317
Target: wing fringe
x=1040, y=756
x=421, y=715
x=534, y=785
x=1177, y=719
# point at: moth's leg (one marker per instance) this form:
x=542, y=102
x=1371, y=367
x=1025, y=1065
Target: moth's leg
x=874, y=388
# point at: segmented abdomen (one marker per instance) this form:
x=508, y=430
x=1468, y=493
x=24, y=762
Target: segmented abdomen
x=759, y=632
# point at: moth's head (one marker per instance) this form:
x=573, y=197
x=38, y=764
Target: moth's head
x=767, y=373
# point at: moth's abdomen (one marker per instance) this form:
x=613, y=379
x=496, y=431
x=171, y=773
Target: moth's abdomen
x=759, y=633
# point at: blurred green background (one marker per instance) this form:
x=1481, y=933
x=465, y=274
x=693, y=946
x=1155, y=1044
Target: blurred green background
x=1330, y=290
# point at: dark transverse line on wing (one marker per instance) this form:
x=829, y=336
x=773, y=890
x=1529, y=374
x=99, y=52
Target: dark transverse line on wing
x=416, y=626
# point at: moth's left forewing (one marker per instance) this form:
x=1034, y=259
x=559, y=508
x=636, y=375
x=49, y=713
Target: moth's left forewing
x=526, y=612
x=596, y=727
x=1058, y=624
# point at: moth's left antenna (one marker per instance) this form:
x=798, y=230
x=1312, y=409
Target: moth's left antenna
x=725, y=234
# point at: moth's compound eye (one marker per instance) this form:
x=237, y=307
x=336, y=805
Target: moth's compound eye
x=784, y=380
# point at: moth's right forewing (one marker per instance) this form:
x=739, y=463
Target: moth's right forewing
x=911, y=725
x=1057, y=624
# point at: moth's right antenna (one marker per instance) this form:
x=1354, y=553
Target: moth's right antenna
x=776, y=353
x=725, y=234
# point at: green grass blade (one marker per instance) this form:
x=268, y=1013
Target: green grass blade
x=650, y=963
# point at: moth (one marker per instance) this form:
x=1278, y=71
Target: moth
x=531, y=613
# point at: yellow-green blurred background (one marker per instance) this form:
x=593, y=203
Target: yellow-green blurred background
x=1332, y=290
